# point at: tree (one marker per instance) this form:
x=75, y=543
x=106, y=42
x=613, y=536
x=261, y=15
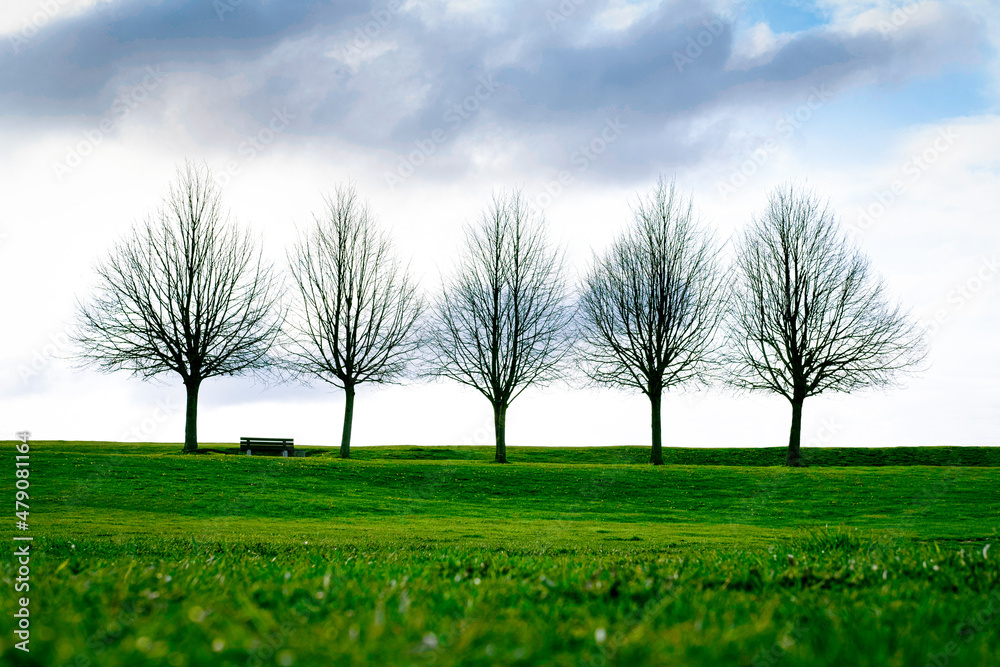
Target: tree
x=186, y=292
x=500, y=325
x=357, y=315
x=808, y=314
x=652, y=304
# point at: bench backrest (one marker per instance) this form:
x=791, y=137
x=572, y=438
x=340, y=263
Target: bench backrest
x=277, y=442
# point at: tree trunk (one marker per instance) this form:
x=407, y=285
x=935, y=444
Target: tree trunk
x=500, y=430
x=191, y=415
x=794, y=458
x=345, y=438
x=656, y=455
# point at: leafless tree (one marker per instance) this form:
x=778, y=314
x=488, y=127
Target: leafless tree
x=652, y=304
x=186, y=292
x=808, y=314
x=500, y=326
x=357, y=315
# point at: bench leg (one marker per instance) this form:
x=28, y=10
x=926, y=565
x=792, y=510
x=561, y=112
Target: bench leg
x=284, y=452
x=248, y=453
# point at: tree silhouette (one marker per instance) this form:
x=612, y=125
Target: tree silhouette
x=186, y=292
x=808, y=314
x=652, y=304
x=500, y=325
x=356, y=318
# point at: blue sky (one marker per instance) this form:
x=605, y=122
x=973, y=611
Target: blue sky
x=786, y=16
x=444, y=100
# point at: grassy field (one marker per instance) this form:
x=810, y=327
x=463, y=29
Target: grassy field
x=765, y=456
x=145, y=556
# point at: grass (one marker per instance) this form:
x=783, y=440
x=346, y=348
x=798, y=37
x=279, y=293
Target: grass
x=434, y=556
x=720, y=456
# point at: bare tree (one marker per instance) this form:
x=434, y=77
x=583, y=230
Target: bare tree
x=186, y=292
x=808, y=314
x=500, y=326
x=652, y=304
x=357, y=315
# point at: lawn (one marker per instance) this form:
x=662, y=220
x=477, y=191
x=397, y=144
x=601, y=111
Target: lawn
x=421, y=556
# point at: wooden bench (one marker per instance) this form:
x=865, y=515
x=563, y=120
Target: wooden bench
x=283, y=445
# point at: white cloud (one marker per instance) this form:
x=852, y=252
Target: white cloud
x=354, y=57
x=25, y=17
x=755, y=46
x=620, y=15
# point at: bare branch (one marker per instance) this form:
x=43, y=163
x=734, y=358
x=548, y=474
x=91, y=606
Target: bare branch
x=808, y=314
x=186, y=292
x=501, y=323
x=357, y=313
x=651, y=305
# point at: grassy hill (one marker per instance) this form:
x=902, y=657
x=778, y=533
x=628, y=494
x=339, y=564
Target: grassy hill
x=722, y=456
x=147, y=556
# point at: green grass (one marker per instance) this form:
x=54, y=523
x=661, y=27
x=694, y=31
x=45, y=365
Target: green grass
x=721, y=456
x=420, y=556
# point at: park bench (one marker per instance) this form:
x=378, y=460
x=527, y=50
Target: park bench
x=283, y=445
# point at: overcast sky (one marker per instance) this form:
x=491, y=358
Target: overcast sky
x=889, y=109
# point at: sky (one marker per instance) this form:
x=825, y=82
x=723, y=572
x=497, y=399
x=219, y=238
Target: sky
x=889, y=110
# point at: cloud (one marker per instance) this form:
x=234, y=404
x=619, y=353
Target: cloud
x=384, y=76
x=80, y=55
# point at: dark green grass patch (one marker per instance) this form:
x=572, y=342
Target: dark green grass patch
x=721, y=456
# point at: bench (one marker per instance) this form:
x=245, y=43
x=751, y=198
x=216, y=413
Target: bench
x=283, y=445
